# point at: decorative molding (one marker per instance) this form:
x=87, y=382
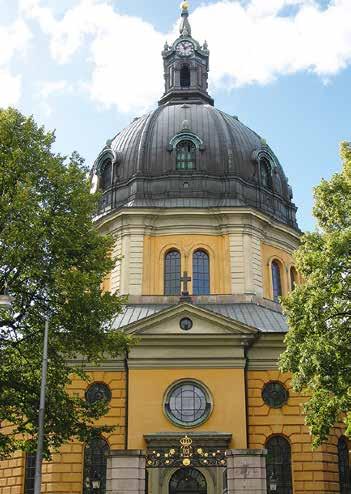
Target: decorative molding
x=186, y=135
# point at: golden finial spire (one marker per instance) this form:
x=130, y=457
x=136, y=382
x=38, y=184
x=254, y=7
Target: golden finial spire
x=185, y=28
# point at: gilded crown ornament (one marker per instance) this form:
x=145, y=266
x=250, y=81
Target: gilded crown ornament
x=185, y=5
x=186, y=442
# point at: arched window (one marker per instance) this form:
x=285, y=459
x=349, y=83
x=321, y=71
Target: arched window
x=29, y=473
x=344, y=468
x=266, y=176
x=172, y=273
x=106, y=174
x=293, y=277
x=279, y=464
x=201, y=273
x=185, y=76
x=276, y=281
x=185, y=155
x=187, y=480
x=95, y=464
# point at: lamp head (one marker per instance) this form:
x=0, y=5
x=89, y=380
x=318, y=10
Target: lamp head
x=5, y=301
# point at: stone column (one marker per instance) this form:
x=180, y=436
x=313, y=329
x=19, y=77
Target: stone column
x=246, y=471
x=126, y=472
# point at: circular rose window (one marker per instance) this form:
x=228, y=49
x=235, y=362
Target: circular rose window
x=188, y=403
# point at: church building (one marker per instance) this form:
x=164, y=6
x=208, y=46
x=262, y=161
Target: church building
x=204, y=229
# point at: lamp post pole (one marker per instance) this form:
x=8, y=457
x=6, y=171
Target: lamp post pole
x=6, y=303
x=39, y=454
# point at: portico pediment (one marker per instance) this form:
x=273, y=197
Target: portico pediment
x=213, y=340
x=205, y=322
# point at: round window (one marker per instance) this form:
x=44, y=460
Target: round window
x=274, y=394
x=188, y=403
x=98, y=392
x=186, y=324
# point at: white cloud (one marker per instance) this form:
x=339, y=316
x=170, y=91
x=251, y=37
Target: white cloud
x=10, y=88
x=250, y=41
x=47, y=89
x=14, y=39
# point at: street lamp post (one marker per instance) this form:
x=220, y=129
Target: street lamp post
x=6, y=303
x=41, y=421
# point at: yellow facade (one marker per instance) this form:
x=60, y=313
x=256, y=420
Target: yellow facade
x=147, y=390
x=155, y=249
x=285, y=260
x=314, y=471
x=64, y=474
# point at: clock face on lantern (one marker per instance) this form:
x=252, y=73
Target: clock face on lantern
x=185, y=49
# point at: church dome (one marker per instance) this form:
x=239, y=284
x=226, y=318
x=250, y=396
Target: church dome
x=188, y=154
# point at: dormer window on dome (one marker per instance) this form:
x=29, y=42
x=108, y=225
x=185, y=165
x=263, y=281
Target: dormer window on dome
x=106, y=174
x=266, y=173
x=185, y=155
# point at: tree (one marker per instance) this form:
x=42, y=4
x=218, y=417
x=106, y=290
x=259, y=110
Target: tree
x=319, y=311
x=52, y=261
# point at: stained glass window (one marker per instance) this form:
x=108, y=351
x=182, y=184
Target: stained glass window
x=266, y=176
x=276, y=281
x=187, y=480
x=185, y=76
x=274, y=394
x=97, y=392
x=172, y=273
x=95, y=464
x=201, y=273
x=279, y=464
x=187, y=403
x=344, y=470
x=185, y=155
x=29, y=473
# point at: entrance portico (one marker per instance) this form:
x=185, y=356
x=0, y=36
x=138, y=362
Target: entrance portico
x=243, y=473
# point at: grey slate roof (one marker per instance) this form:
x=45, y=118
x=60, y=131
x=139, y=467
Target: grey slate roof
x=226, y=172
x=256, y=316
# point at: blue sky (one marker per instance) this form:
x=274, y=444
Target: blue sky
x=87, y=67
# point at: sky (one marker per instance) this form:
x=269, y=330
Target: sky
x=86, y=68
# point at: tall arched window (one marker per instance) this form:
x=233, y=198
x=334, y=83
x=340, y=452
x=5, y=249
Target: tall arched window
x=266, y=176
x=276, y=281
x=279, y=464
x=95, y=464
x=187, y=480
x=201, y=273
x=293, y=277
x=185, y=155
x=185, y=76
x=344, y=468
x=172, y=273
x=106, y=174
x=29, y=475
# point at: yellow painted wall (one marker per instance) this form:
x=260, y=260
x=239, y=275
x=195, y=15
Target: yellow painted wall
x=269, y=254
x=155, y=249
x=64, y=474
x=147, y=390
x=314, y=472
x=11, y=474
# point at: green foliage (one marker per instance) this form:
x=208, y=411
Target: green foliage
x=53, y=261
x=319, y=311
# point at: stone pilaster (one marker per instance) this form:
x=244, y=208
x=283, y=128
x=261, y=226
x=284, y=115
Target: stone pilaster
x=126, y=472
x=246, y=471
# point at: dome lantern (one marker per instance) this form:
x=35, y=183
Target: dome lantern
x=186, y=67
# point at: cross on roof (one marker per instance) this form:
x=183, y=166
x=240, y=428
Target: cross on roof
x=185, y=279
